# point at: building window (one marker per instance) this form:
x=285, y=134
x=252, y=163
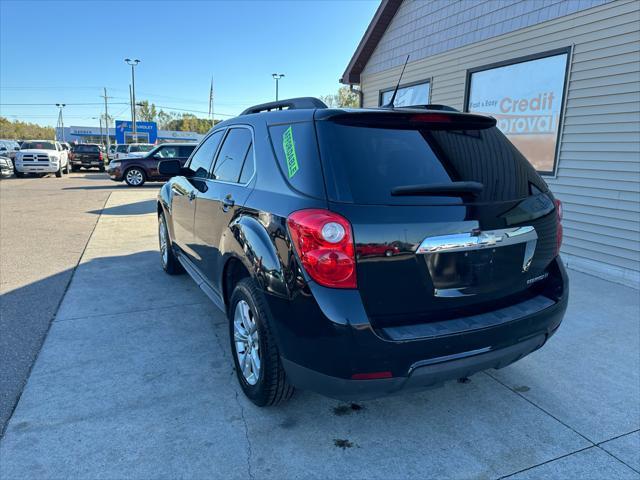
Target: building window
x=526, y=97
x=408, y=95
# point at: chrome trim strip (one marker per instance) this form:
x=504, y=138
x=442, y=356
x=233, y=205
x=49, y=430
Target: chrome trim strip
x=477, y=240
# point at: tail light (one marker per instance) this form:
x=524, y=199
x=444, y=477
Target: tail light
x=558, y=225
x=100, y=156
x=324, y=242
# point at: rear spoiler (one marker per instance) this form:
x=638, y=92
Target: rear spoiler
x=407, y=118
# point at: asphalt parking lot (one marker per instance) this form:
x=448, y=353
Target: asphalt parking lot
x=45, y=224
x=135, y=380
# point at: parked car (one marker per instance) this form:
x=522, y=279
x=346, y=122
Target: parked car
x=111, y=153
x=121, y=150
x=133, y=150
x=269, y=212
x=6, y=167
x=88, y=155
x=135, y=171
x=41, y=157
x=8, y=148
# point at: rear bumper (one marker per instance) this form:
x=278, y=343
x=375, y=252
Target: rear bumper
x=420, y=377
x=87, y=163
x=323, y=348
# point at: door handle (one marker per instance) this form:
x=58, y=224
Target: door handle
x=191, y=195
x=227, y=202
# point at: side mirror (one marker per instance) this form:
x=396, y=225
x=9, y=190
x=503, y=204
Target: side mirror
x=170, y=168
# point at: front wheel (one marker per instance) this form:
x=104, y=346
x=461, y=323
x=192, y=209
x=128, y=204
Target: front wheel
x=170, y=263
x=19, y=174
x=59, y=172
x=134, y=177
x=67, y=169
x=254, y=350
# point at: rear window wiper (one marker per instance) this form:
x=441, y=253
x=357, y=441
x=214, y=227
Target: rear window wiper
x=453, y=189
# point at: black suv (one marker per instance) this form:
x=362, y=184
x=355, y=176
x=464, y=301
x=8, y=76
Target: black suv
x=358, y=253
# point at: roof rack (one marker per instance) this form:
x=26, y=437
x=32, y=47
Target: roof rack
x=289, y=104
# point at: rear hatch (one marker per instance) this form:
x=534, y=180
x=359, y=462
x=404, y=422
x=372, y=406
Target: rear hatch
x=449, y=219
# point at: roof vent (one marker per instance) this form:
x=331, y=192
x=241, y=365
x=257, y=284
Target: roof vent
x=289, y=104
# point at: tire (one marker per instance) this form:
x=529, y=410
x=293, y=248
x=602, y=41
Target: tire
x=101, y=169
x=170, y=263
x=59, y=172
x=134, y=177
x=75, y=169
x=270, y=386
x=19, y=174
x=67, y=169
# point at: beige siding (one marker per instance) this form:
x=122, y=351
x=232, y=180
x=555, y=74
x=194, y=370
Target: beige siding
x=598, y=175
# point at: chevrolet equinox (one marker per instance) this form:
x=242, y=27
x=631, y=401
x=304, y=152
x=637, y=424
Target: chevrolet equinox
x=359, y=253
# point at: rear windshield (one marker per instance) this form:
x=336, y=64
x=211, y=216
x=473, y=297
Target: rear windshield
x=38, y=145
x=140, y=148
x=121, y=148
x=87, y=149
x=364, y=164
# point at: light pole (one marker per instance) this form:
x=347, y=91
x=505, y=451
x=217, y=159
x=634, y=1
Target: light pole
x=277, y=77
x=133, y=63
x=60, y=121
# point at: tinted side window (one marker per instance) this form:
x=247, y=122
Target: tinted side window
x=203, y=157
x=167, y=152
x=185, y=150
x=232, y=155
x=248, y=167
x=297, y=156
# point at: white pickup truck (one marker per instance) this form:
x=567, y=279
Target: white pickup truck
x=41, y=156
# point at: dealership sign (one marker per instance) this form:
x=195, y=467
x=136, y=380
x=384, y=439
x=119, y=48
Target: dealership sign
x=147, y=132
x=526, y=100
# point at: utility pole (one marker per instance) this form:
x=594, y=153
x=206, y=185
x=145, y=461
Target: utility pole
x=277, y=77
x=211, y=111
x=60, y=125
x=106, y=117
x=133, y=63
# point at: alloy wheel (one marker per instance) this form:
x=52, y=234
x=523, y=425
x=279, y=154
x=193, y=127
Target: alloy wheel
x=247, y=342
x=134, y=177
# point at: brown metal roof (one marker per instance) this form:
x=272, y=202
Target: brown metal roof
x=369, y=42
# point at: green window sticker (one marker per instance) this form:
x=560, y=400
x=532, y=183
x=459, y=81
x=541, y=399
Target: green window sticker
x=289, y=147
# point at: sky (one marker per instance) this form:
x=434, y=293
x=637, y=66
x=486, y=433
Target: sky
x=66, y=52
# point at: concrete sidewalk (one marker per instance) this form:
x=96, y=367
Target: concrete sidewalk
x=135, y=380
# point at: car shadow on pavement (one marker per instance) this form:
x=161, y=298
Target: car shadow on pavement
x=25, y=315
x=137, y=208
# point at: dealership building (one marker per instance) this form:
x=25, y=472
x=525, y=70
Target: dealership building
x=146, y=132
x=562, y=78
